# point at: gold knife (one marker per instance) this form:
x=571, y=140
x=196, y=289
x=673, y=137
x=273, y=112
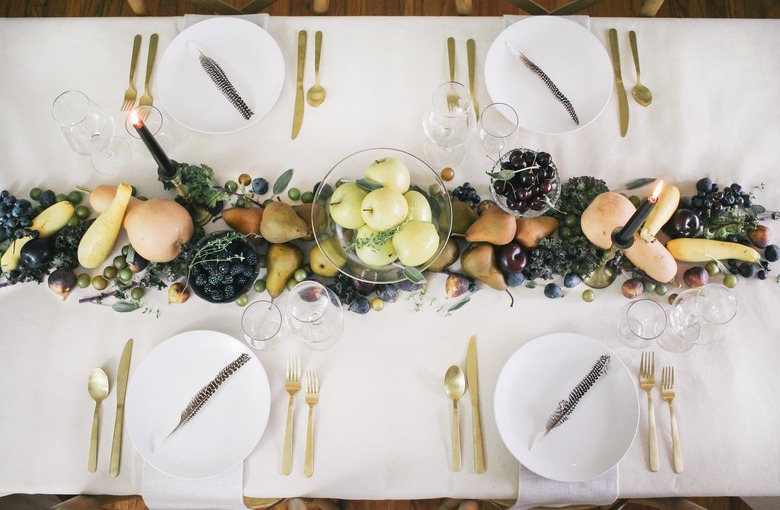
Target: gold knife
x=473, y=384
x=471, y=57
x=121, y=390
x=621, y=90
x=298, y=113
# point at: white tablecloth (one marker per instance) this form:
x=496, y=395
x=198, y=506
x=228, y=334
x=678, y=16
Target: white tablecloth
x=383, y=419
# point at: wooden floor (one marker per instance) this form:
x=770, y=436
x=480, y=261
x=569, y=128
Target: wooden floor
x=607, y=8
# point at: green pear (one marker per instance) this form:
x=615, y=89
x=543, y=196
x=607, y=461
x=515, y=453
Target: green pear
x=479, y=261
x=463, y=216
x=320, y=265
x=281, y=224
x=494, y=226
x=448, y=256
x=283, y=260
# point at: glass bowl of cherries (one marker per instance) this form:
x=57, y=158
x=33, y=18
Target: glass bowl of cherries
x=525, y=182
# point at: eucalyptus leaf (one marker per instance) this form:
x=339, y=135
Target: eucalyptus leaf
x=283, y=181
x=757, y=209
x=414, y=275
x=638, y=183
x=459, y=304
x=502, y=175
x=125, y=306
x=368, y=185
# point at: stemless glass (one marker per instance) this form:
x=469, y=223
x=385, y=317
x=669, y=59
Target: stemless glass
x=700, y=316
x=497, y=127
x=262, y=324
x=641, y=322
x=89, y=130
x=315, y=315
x=447, y=123
x=157, y=123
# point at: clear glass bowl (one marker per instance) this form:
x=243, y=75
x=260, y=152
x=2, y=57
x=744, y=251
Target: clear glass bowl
x=335, y=241
x=530, y=174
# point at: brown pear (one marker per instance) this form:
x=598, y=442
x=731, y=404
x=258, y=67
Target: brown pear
x=320, y=264
x=463, y=216
x=304, y=212
x=532, y=230
x=479, y=261
x=246, y=221
x=283, y=260
x=281, y=224
x=494, y=226
x=448, y=256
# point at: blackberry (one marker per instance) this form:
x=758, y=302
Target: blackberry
x=224, y=267
x=227, y=279
x=214, y=279
x=236, y=269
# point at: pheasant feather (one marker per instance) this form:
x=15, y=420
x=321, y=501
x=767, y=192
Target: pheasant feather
x=200, y=398
x=222, y=82
x=566, y=407
x=550, y=85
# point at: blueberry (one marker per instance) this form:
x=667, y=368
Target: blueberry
x=360, y=305
x=571, y=280
x=387, y=293
x=772, y=253
x=514, y=279
x=704, y=185
x=260, y=186
x=553, y=291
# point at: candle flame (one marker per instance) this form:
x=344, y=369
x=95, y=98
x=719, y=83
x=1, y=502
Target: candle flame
x=135, y=119
x=653, y=198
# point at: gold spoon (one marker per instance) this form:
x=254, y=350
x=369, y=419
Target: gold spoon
x=316, y=94
x=98, y=390
x=455, y=386
x=641, y=93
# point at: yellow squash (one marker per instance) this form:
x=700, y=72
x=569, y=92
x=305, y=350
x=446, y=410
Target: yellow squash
x=663, y=210
x=703, y=250
x=47, y=223
x=99, y=239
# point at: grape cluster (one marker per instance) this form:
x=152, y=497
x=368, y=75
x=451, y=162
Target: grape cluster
x=710, y=198
x=533, y=181
x=16, y=217
x=466, y=193
x=226, y=277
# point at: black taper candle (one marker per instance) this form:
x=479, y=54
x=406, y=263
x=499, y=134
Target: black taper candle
x=166, y=168
x=625, y=236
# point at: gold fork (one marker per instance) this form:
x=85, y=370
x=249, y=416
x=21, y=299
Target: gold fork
x=312, y=397
x=452, y=96
x=292, y=385
x=647, y=383
x=667, y=393
x=146, y=99
x=131, y=93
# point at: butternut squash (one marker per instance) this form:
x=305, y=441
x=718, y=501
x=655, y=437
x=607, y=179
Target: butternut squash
x=100, y=237
x=47, y=223
x=703, y=250
x=653, y=258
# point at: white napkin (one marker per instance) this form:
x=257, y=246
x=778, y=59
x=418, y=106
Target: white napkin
x=258, y=19
x=221, y=492
x=534, y=490
x=580, y=19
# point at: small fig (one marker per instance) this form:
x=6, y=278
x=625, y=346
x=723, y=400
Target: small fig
x=760, y=236
x=178, y=293
x=62, y=281
x=632, y=288
x=456, y=285
x=696, y=276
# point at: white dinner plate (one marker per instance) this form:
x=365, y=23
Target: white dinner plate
x=602, y=426
x=572, y=57
x=250, y=58
x=228, y=427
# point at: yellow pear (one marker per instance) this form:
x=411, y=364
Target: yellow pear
x=532, y=230
x=494, y=226
x=320, y=264
x=281, y=224
x=463, y=216
x=479, y=261
x=283, y=260
x=448, y=256
x=246, y=221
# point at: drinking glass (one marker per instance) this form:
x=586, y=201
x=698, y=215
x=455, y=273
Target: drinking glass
x=700, y=316
x=157, y=123
x=89, y=130
x=497, y=127
x=447, y=123
x=641, y=322
x=262, y=324
x=315, y=315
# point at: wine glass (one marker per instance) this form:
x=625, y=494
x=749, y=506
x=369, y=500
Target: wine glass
x=447, y=123
x=700, y=316
x=89, y=130
x=641, y=322
x=315, y=315
x=262, y=324
x=497, y=127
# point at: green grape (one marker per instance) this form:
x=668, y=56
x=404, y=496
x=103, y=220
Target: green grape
x=74, y=222
x=83, y=281
x=730, y=281
x=588, y=296
x=109, y=273
x=242, y=300
x=649, y=286
x=307, y=197
x=35, y=193
x=231, y=186
x=119, y=262
x=259, y=286
x=292, y=282
x=126, y=274
x=294, y=193
x=712, y=268
x=300, y=275
x=75, y=197
x=661, y=289
x=82, y=212
x=571, y=220
x=99, y=282
x=377, y=304
x=137, y=293
x=61, y=197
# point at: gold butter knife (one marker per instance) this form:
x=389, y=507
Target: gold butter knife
x=298, y=112
x=471, y=56
x=121, y=390
x=473, y=384
x=621, y=90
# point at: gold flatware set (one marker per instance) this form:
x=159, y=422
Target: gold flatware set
x=452, y=98
x=292, y=385
x=639, y=92
x=128, y=102
x=315, y=96
x=647, y=383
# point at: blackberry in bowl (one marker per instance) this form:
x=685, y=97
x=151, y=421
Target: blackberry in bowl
x=525, y=183
x=224, y=266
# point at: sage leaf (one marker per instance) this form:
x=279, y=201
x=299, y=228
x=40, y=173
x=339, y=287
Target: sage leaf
x=459, y=304
x=125, y=306
x=414, y=275
x=368, y=185
x=638, y=183
x=283, y=181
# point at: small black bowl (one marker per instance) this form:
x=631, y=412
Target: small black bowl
x=225, y=266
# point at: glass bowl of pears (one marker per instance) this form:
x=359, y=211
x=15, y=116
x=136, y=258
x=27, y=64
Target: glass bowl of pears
x=525, y=182
x=379, y=212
